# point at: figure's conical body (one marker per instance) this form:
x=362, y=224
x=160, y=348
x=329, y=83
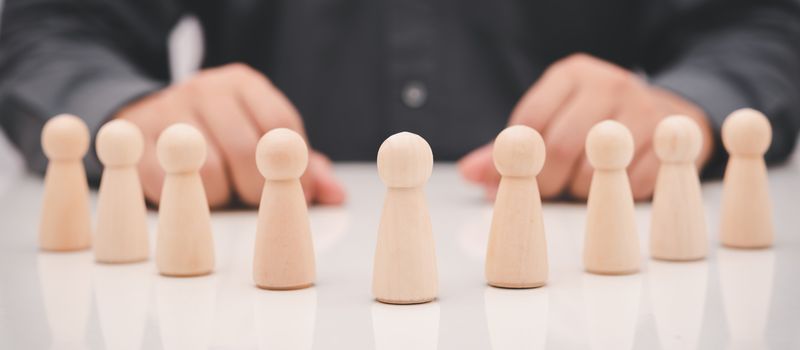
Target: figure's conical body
x=284, y=251
x=611, y=245
x=65, y=221
x=121, y=213
x=746, y=206
x=185, y=244
x=678, y=228
x=405, y=258
x=516, y=256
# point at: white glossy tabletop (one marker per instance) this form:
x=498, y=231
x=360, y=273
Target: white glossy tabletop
x=735, y=299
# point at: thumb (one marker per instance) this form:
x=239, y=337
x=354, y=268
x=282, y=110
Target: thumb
x=490, y=191
x=478, y=166
x=323, y=186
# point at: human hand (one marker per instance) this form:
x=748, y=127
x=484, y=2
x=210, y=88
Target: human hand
x=573, y=95
x=233, y=106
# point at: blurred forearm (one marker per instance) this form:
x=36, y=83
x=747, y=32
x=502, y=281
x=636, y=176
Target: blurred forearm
x=87, y=58
x=731, y=54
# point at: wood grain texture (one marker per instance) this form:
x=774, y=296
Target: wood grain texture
x=746, y=216
x=65, y=223
x=121, y=235
x=405, y=269
x=185, y=244
x=121, y=218
x=611, y=245
x=284, y=251
x=405, y=260
x=516, y=256
x=678, y=228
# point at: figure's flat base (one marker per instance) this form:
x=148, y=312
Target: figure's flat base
x=188, y=274
x=517, y=285
x=613, y=273
x=747, y=247
x=122, y=262
x=66, y=249
x=295, y=287
x=405, y=302
x=671, y=259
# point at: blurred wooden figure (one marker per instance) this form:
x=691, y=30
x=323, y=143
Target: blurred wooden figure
x=284, y=251
x=65, y=222
x=611, y=246
x=185, y=245
x=678, y=227
x=517, y=253
x=746, y=206
x=121, y=213
x=405, y=259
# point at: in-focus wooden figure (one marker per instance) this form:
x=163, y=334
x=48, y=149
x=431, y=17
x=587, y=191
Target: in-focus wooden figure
x=405, y=259
x=516, y=256
x=611, y=246
x=185, y=245
x=65, y=222
x=121, y=235
x=746, y=207
x=678, y=226
x=284, y=251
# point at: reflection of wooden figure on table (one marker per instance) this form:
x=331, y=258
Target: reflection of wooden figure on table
x=233, y=324
x=746, y=208
x=405, y=258
x=678, y=293
x=122, y=297
x=285, y=320
x=517, y=319
x=406, y=327
x=678, y=226
x=284, y=251
x=517, y=253
x=185, y=245
x=611, y=246
x=65, y=222
x=612, y=307
x=186, y=308
x=746, y=280
x=121, y=213
x=66, y=281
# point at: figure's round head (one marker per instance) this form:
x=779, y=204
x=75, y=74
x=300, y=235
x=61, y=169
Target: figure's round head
x=405, y=160
x=65, y=137
x=519, y=151
x=609, y=145
x=181, y=148
x=746, y=132
x=677, y=139
x=119, y=143
x=281, y=154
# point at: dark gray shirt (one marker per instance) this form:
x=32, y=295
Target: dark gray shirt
x=359, y=70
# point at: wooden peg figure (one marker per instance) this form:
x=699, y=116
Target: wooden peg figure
x=121, y=213
x=284, y=251
x=678, y=226
x=185, y=245
x=611, y=246
x=405, y=257
x=746, y=206
x=517, y=253
x=65, y=223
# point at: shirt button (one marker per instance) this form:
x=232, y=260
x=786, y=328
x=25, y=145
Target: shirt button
x=414, y=94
